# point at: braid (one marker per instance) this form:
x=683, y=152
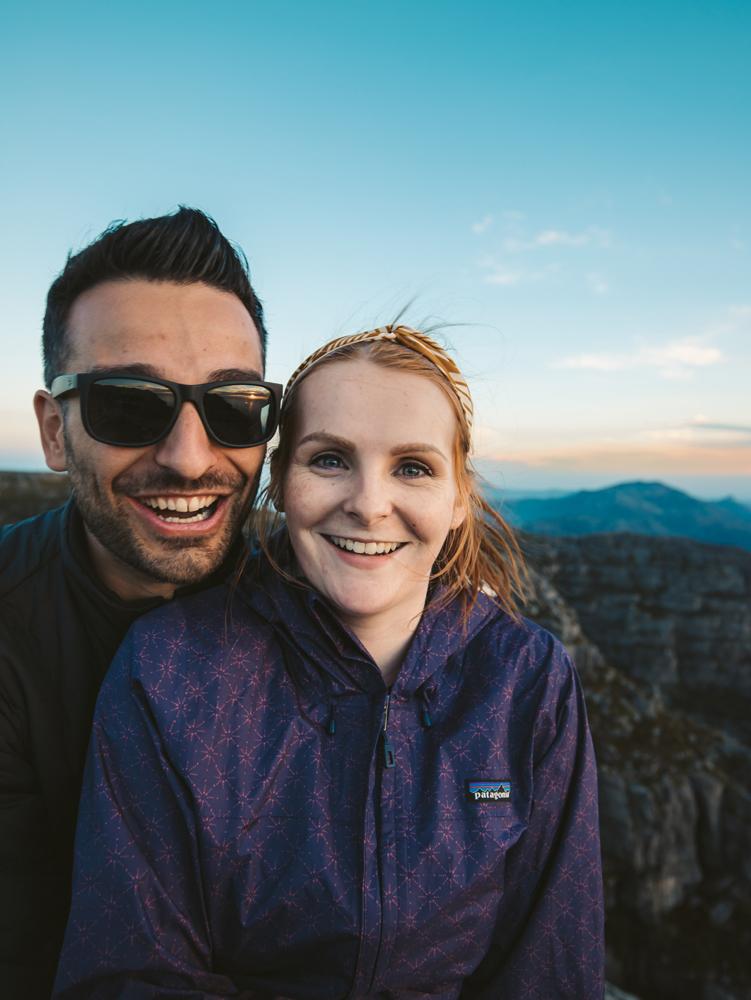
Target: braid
x=416, y=341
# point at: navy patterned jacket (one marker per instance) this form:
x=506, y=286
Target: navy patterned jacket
x=261, y=818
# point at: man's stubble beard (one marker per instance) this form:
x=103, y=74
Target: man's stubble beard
x=178, y=561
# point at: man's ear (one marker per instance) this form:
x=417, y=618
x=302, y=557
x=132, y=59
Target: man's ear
x=50, y=419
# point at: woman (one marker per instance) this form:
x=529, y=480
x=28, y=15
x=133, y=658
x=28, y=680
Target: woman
x=371, y=778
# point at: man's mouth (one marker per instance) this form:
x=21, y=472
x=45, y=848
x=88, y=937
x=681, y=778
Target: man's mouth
x=182, y=509
x=364, y=548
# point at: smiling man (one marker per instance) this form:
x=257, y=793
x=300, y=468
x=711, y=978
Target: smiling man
x=157, y=408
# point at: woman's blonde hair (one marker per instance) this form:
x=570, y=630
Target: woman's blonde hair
x=482, y=553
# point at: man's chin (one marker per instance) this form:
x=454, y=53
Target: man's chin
x=182, y=561
x=133, y=561
x=181, y=567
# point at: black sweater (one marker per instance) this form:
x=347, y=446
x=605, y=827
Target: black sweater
x=59, y=629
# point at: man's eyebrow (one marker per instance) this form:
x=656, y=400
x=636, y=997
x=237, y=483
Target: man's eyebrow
x=240, y=374
x=145, y=371
x=149, y=371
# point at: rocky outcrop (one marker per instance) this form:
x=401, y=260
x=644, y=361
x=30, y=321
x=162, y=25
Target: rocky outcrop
x=23, y=494
x=671, y=613
x=650, y=622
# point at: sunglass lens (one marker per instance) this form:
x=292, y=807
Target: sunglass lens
x=129, y=411
x=239, y=415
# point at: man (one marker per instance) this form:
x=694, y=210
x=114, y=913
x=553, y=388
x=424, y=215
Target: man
x=163, y=471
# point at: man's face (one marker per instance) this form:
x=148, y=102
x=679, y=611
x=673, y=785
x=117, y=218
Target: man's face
x=145, y=509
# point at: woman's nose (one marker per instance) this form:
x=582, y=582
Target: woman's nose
x=369, y=499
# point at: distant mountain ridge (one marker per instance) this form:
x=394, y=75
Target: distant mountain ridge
x=645, y=508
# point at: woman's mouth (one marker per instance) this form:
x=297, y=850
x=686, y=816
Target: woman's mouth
x=362, y=547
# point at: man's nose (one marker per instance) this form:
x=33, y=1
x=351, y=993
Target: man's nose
x=187, y=449
x=369, y=499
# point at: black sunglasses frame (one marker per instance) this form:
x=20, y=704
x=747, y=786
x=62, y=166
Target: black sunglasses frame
x=63, y=385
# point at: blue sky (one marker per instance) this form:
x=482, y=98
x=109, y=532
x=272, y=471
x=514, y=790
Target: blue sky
x=565, y=182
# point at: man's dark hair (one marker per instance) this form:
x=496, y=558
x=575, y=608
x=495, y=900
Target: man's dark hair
x=186, y=246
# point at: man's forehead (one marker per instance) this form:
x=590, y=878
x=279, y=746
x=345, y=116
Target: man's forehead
x=167, y=327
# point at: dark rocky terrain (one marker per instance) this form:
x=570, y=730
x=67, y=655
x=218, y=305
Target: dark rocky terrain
x=25, y=493
x=646, y=508
x=661, y=632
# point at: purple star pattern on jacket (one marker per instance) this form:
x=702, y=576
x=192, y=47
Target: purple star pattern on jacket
x=262, y=819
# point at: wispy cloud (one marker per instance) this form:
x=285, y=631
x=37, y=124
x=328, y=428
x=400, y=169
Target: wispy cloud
x=483, y=225
x=497, y=272
x=637, y=455
x=593, y=236
x=674, y=359
x=499, y=276
x=518, y=239
x=737, y=319
x=710, y=434
x=559, y=237
x=703, y=424
x=598, y=284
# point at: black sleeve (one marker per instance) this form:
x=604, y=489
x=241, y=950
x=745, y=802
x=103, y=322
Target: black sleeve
x=33, y=886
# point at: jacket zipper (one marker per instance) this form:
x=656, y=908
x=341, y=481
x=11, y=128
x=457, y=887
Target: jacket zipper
x=389, y=757
x=389, y=761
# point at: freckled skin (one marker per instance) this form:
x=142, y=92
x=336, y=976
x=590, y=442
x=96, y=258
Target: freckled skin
x=185, y=333
x=392, y=480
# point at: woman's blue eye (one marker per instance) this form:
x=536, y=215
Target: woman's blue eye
x=413, y=470
x=327, y=461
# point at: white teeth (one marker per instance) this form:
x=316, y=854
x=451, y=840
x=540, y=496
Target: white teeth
x=200, y=516
x=364, y=548
x=181, y=505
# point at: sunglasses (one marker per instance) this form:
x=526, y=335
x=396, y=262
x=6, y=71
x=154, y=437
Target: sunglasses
x=132, y=412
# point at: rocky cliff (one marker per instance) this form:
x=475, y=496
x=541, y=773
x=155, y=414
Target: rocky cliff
x=661, y=631
x=23, y=494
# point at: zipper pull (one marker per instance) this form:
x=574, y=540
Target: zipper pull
x=389, y=757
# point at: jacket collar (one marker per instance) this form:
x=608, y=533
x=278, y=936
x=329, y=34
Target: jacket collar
x=308, y=623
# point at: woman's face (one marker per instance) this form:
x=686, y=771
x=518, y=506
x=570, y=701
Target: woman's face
x=370, y=493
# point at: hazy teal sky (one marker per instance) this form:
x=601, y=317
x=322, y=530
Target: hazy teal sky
x=568, y=181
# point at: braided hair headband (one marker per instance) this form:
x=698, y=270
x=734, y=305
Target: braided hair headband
x=405, y=336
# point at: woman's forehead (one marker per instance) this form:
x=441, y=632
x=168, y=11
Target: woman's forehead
x=359, y=391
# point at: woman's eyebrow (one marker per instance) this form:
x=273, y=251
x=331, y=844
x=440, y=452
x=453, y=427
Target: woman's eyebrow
x=413, y=447
x=409, y=448
x=331, y=439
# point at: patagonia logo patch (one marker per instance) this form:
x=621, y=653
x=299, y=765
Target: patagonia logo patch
x=483, y=790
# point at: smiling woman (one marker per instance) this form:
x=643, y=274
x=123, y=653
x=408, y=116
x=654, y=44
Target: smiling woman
x=370, y=497
x=373, y=778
